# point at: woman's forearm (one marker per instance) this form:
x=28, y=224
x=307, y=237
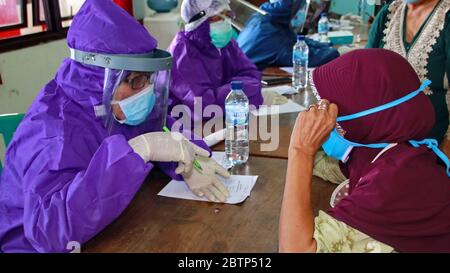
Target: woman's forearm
x=296, y=219
x=310, y=131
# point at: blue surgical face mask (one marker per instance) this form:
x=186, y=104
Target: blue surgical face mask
x=298, y=20
x=221, y=33
x=339, y=148
x=137, y=107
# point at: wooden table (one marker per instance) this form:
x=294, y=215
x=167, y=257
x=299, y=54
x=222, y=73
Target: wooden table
x=152, y=223
x=275, y=71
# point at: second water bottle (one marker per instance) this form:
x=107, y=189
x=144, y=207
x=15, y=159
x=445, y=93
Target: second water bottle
x=300, y=63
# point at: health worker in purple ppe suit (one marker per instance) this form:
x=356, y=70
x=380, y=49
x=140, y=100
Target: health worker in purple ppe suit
x=92, y=136
x=206, y=58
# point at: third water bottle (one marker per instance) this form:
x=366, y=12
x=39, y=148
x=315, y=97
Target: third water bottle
x=300, y=63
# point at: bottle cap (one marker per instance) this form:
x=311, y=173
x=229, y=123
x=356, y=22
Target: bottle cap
x=236, y=85
x=300, y=37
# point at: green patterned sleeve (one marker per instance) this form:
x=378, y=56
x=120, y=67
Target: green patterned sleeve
x=335, y=236
x=375, y=39
x=328, y=168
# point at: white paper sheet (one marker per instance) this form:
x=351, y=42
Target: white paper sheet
x=220, y=158
x=289, y=107
x=288, y=69
x=281, y=89
x=239, y=187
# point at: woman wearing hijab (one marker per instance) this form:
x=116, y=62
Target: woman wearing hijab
x=397, y=197
x=419, y=30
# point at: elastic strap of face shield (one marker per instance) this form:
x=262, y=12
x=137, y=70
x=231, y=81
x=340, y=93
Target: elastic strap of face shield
x=198, y=16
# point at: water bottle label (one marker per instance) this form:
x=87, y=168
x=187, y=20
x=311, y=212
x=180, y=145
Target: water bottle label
x=239, y=118
x=300, y=57
x=236, y=115
x=323, y=28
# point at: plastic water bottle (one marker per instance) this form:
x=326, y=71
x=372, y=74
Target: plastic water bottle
x=236, y=122
x=323, y=27
x=300, y=63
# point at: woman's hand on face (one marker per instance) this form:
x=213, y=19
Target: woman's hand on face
x=313, y=127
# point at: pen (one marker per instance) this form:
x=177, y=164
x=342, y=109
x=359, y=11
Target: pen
x=196, y=163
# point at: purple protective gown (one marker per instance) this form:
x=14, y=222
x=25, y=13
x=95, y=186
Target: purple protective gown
x=202, y=70
x=65, y=176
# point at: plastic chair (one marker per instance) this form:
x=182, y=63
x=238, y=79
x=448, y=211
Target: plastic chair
x=8, y=125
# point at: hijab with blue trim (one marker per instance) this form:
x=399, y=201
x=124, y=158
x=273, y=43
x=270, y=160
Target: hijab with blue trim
x=403, y=198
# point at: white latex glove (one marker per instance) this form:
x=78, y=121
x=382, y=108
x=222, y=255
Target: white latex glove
x=273, y=98
x=205, y=182
x=166, y=147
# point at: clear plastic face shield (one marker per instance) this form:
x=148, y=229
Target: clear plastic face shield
x=135, y=89
x=225, y=15
x=299, y=18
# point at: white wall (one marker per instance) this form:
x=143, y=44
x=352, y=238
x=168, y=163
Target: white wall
x=25, y=71
x=141, y=10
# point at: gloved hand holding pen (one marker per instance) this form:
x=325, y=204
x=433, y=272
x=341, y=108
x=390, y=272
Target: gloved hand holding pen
x=173, y=146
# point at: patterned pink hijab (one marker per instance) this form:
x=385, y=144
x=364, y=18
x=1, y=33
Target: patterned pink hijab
x=403, y=198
